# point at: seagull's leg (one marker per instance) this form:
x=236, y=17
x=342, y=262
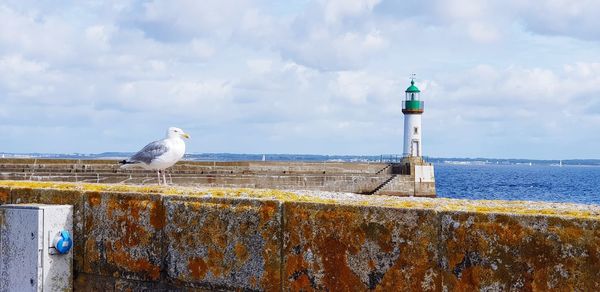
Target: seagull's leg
x=164, y=177
x=158, y=175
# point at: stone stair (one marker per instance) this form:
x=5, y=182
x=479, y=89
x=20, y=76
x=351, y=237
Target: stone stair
x=374, y=192
x=384, y=169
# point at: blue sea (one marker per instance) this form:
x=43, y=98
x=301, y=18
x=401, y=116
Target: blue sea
x=576, y=184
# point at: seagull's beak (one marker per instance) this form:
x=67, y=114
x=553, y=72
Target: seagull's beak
x=185, y=135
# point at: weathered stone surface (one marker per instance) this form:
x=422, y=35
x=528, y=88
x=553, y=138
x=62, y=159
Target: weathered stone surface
x=132, y=286
x=123, y=235
x=425, y=189
x=400, y=182
x=90, y=282
x=351, y=248
x=86, y=282
x=224, y=243
x=519, y=253
x=58, y=197
x=161, y=238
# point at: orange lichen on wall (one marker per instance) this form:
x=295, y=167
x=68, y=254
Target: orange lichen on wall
x=519, y=253
x=92, y=254
x=157, y=215
x=236, y=241
x=118, y=227
x=93, y=199
x=356, y=248
x=197, y=267
x=4, y=195
x=118, y=255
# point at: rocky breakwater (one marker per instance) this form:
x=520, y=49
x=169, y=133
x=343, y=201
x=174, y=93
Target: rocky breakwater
x=146, y=237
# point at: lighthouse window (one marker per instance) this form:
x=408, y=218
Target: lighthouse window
x=416, y=130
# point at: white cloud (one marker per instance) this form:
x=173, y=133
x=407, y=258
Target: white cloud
x=361, y=87
x=189, y=18
x=526, y=106
x=327, y=50
x=99, y=36
x=15, y=64
x=336, y=10
x=327, y=77
x=202, y=48
x=562, y=17
x=28, y=33
x=260, y=66
x=173, y=97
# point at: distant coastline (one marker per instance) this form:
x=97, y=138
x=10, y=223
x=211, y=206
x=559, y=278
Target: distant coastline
x=316, y=158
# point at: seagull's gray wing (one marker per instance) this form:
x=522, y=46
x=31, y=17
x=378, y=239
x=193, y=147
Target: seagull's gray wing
x=149, y=152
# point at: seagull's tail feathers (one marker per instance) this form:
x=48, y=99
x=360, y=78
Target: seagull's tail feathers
x=125, y=164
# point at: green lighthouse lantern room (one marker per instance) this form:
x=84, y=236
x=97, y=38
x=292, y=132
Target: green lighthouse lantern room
x=413, y=103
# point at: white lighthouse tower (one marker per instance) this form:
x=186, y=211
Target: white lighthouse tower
x=412, y=109
x=412, y=176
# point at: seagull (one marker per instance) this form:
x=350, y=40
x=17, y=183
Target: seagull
x=160, y=154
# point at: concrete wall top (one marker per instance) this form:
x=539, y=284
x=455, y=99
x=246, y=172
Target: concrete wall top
x=208, y=163
x=13, y=164
x=531, y=208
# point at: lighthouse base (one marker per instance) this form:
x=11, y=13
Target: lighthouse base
x=412, y=177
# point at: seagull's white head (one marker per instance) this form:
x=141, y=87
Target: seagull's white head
x=173, y=132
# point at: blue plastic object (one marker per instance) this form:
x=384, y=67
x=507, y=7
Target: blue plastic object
x=64, y=243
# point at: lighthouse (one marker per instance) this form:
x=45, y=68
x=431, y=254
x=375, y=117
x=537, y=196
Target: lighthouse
x=412, y=108
x=414, y=176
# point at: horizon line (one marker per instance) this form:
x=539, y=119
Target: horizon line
x=388, y=155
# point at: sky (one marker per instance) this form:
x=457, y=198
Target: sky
x=500, y=78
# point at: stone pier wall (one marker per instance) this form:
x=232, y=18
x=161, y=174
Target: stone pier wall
x=353, y=177
x=140, y=237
